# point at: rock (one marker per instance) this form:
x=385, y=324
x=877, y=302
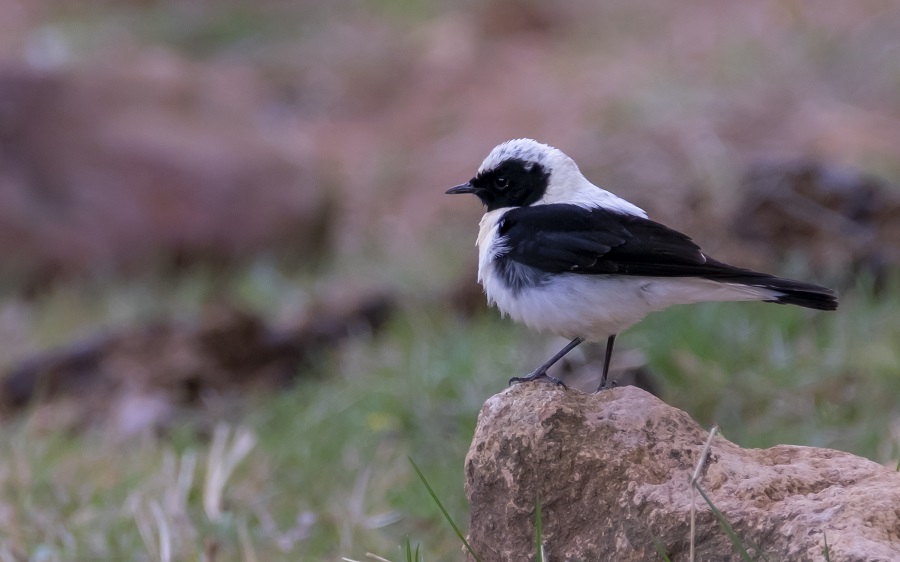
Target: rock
x=612, y=471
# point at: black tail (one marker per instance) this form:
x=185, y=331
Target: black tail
x=803, y=294
x=792, y=292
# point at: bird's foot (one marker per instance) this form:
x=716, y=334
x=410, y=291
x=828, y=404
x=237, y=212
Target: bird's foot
x=537, y=375
x=606, y=385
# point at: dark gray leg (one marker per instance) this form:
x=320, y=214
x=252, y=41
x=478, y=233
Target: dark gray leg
x=541, y=372
x=609, y=348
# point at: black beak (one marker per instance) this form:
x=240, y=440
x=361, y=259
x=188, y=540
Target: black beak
x=462, y=188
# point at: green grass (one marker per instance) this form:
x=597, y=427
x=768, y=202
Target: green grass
x=327, y=474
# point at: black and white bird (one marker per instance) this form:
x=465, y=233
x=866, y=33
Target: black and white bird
x=564, y=256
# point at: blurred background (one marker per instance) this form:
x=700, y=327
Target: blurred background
x=234, y=299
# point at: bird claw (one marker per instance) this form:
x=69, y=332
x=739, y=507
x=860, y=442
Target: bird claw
x=537, y=376
x=609, y=385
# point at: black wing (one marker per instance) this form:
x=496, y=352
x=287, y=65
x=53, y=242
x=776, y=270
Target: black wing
x=561, y=238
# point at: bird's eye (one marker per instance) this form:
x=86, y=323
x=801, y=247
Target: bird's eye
x=501, y=182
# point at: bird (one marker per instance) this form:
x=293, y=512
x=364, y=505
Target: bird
x=564, y=256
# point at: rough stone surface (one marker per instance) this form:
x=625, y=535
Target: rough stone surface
x=612, y=473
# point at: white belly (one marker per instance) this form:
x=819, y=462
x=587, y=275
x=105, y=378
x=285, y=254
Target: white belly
x=595, y=307
x=573, y=305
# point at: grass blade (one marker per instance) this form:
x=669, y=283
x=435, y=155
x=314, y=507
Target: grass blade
x=443, y=510
x=729, y=530
x=538, y=529
x=701, y=462
x=661, y=551
x=412, y=555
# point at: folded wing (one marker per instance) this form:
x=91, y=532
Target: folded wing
x=562, y=238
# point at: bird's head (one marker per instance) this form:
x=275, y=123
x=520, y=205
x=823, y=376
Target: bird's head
x=518, y=173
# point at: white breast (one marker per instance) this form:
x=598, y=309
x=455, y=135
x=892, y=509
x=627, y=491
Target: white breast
x=487, y=246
